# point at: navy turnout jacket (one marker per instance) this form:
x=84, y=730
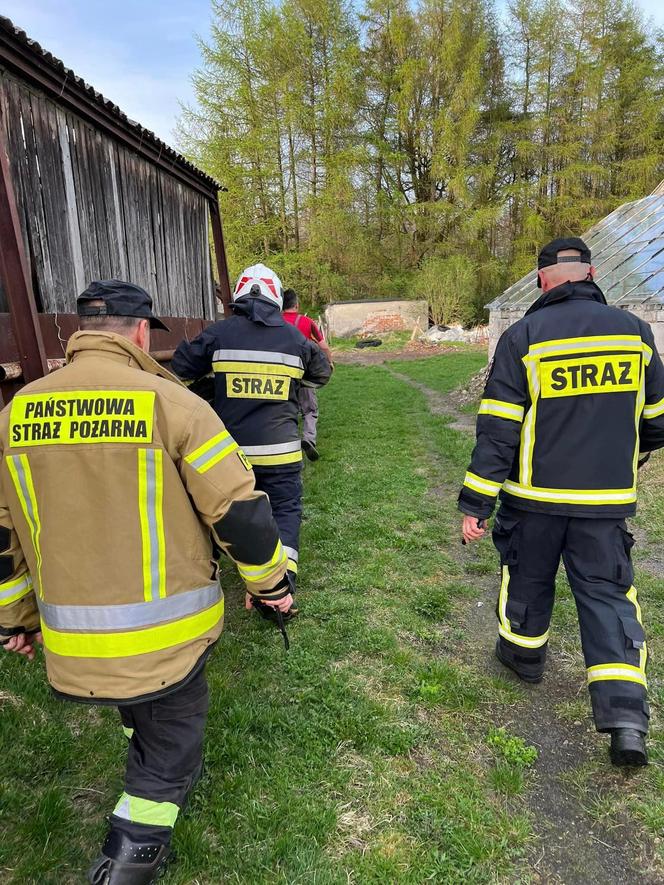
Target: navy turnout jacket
x=259, y=361
x=575, y=392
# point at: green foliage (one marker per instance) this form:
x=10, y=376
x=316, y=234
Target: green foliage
x=448, y=284
x=511, y=749
x=366, y=147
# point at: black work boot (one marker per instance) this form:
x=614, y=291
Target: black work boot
x=125, y=862
x=527, y=670
x=628, y=747
x=310, y=450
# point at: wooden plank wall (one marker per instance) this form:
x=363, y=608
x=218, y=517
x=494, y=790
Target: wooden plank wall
x=92, y=209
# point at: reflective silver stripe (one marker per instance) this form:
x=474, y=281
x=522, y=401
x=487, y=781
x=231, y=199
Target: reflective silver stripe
x=258, y=356
x=151, y=481
x=226, y=443
x=586, y=345
x=291, y=553
x=279, y=449
x=95, y=618
x=13, y=588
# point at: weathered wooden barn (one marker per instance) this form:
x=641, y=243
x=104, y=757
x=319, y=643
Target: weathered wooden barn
x=86, y=193
x=627, y=250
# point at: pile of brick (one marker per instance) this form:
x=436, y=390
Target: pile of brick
x=380, y=323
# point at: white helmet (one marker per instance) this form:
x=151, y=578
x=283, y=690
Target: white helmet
x=260, y=282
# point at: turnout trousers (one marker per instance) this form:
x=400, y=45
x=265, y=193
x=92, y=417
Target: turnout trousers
x=597, y=559
x=283, y=486
x=308, y=403
x=164, y=760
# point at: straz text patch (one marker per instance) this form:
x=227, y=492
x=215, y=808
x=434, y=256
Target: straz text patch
x=618, y=373
x=257, y=386
x=81, y=416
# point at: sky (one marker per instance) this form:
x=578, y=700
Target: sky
x=139, y=54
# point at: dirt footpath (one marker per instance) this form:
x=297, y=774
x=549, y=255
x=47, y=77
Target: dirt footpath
x=572, y=847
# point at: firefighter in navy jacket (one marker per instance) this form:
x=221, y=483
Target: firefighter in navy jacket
x=259, y=362
x=574, y=401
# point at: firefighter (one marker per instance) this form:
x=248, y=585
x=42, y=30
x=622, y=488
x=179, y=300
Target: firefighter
x=307, y=399
x=115, y=481
x=574, y=395
x=259, y=362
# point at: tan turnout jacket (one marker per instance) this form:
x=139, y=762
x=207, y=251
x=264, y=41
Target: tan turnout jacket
x=114, y=480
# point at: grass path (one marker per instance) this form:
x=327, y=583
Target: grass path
x=371, y=753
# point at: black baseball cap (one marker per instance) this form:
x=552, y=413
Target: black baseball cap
x=549, y=254
x=120, y=300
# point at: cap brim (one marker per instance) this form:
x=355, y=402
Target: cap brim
x=156, y=323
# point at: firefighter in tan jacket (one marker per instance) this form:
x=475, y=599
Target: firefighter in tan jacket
x=115, y=482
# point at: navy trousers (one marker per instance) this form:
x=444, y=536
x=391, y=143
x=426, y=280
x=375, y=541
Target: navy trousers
x=283, y=486
x=596, y=556
x=164, y=760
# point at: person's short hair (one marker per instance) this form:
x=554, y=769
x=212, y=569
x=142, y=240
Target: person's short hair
x=107, y=323
x=290, y=299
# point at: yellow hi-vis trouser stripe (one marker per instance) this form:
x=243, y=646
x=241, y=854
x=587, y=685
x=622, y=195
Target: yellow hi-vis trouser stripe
x=262, y=572
x=131, y=642
x=11, y=591
x=643, y=652
x=145, y=811
x=151, y=510
x=504, y=626
x=619, y=670
x=19, y=470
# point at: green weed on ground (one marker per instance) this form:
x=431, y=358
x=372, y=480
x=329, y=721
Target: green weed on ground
x=443, y=374
x=358, y=756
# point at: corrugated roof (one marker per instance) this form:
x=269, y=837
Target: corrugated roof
x=19, y=41
x=628, y=251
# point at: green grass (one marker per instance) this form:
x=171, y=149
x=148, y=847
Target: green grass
x=356, y=757
x=444, y=373
x=391, y=342
x=371, y=753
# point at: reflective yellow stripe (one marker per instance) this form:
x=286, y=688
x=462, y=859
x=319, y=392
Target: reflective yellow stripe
x=212, y=452
x=654, y=410
x=571, y=496
x=151, y=512
x=643, y=652
x=638, y=411
x=19, y=470
x=292, y=566
x=587, y=344
x=504, y=626
x=128, y=732
x=618, y=671
x=145, y=811
x=261, y=572
x=16, y=589
x=528, y=429
x=159, y=517
x=134, y=642
x=647, y=353
x=500, y=409
x=479, y=484
x=250, y=368
x=272, y=460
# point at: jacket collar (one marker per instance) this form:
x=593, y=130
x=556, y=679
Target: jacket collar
x=258, y=311
x=568, y=291
x=108, y=344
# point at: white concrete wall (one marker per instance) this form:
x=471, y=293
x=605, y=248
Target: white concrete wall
x=349, y=318
x=499, y=320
